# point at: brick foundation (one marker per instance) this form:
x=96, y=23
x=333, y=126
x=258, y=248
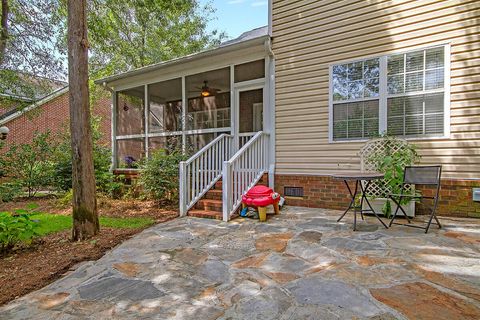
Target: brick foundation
x=326, y=192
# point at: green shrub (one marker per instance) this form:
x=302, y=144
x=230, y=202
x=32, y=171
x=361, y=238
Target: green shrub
x=159, y=175
x=16, y=228
x=62, y=173
x=10, y=191
x=30, y=164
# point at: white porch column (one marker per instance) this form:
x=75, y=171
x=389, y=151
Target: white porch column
x=146, y=114
x=113, y=131
x=233, y=110
x=184, y=115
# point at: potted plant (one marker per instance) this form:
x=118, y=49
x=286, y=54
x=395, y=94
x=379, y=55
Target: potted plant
x=389, y=155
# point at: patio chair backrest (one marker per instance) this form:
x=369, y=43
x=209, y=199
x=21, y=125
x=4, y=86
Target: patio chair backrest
x=423, y=175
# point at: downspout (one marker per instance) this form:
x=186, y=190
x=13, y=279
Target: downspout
x=271, y=91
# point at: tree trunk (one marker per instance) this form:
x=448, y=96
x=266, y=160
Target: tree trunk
x=3, y=30
x=85, y=218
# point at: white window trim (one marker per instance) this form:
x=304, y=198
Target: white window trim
x=383, y=95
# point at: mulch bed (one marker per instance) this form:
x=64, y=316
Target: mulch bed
x=53, y=255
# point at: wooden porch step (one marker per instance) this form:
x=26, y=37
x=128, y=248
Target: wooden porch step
x=205, y=214
x=209, y=205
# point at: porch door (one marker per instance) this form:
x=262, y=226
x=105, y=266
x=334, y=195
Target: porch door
x=250, y=112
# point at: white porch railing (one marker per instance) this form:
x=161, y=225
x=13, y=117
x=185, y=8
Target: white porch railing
x=244, y=137
x=243, y=171
x=199, y=173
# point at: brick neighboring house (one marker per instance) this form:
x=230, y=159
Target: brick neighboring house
x=49, y=113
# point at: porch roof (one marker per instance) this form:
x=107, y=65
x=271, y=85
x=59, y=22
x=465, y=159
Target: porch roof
x=250, y=38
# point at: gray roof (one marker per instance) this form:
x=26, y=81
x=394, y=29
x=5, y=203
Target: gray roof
x=244, y=39
x=252, y=34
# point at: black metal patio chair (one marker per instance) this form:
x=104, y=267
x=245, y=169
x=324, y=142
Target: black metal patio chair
x=418, y=175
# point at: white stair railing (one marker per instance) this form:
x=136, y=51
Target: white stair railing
x=243, y=171
x=199, y=173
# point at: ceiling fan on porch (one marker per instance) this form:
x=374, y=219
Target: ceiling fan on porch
x=206, y=91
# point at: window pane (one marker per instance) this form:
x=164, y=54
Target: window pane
x=355, y=120
x=250, y=71
x=340, y=130
x=414, y=105
x=435, y=58
x=434, y=123
x=395, y=107
x=413, y=125
x=371, y=68
x=395, y=64
x=130, y=111
x=395, y=126
x=355, y=71
x=130, y=152
x=434, y=103
x=340, y=90
x=355, y=129
x=434, y=79
x=414, y=61
x=340, y=72
x=355, y=110
x=395, y=84
x=340, y=111
x=371, y=128
x=372, y=87
x=355, y=89
x=370, y=110
x=414, y=82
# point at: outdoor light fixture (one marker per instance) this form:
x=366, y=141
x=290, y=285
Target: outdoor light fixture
x=4, y=132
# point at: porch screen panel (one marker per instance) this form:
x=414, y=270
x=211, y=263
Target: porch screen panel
x=355, y=90
x=415, y=104
x=208, y=96
x=251, y=111
x=169, y=144
x=130, y=111
x=196, y=142
x=130, y=152
x=250, y=71
x=165, y=106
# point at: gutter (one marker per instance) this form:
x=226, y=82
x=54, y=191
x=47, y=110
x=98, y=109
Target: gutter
x=40, y=102
x=184, y=59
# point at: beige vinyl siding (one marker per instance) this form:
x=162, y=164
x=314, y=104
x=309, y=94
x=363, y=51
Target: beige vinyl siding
x=310, y=35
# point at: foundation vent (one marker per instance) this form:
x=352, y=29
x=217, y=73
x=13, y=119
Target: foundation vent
x=293, y=192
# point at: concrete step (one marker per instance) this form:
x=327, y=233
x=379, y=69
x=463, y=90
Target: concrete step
x=205, y=214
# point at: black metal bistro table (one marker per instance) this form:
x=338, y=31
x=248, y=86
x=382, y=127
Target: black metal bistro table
x=358, y=177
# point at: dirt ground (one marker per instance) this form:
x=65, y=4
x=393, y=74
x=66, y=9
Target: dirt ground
x=53, y=255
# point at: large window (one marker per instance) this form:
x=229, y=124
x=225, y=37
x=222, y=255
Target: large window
x=408, y=89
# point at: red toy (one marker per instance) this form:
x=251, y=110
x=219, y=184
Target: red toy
x=260, y=197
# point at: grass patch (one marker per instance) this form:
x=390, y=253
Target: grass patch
x=50, y=223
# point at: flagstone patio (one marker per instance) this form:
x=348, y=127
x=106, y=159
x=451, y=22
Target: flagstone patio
x=298, y=265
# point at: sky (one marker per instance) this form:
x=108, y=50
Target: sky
x=237, y=16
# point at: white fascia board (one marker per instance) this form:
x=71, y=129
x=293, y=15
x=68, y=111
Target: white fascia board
x=109, y=81
x=37, y=104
